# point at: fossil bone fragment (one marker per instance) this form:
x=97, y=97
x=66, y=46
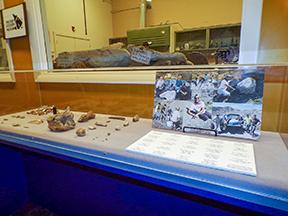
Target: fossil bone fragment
x=86, y=117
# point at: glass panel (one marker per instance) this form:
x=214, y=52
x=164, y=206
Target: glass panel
x=120, y=33
x=27, y=118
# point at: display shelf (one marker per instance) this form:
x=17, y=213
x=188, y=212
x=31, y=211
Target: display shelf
x=7, y=76
x=269, y=189
x=208, y=37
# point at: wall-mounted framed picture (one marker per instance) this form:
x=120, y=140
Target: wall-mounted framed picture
x=14, y=21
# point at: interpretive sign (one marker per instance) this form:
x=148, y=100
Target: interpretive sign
x=224, y=102
x=220, y=154
x=13, y=22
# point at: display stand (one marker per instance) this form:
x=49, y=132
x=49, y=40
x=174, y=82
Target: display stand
x=61, y=165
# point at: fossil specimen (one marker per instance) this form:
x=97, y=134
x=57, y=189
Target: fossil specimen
x=101, y=124
x=91, y=127
x=43, y=110
x=136, y=118
x=117, y=128
x=81, y=132
x=61, y=121
x=117, y=118
x=36, y=121
x=86, y=117
x=126, y=123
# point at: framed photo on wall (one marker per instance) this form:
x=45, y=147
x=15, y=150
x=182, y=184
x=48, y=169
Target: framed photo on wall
x=14, y=21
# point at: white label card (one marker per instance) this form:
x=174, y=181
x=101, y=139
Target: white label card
x=141, y=55
x=214, y=153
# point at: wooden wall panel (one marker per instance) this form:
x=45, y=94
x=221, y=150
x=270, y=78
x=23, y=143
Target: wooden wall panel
x=119, y=99
x=19, y=96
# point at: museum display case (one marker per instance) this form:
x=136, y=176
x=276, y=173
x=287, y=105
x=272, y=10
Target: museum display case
x=154, y=30
x=119, y=125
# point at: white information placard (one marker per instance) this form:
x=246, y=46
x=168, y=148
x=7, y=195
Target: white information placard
x=141, y=56
x=215, y=153
x=13, y=20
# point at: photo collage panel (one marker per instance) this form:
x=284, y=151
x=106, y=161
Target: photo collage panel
x=225, y=102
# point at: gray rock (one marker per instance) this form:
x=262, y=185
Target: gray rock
x=61, y=121
x=246, y=86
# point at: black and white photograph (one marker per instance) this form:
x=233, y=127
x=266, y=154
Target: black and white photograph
x=225, y=102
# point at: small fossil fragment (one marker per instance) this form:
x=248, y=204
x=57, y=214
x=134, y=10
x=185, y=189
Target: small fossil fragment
x=117, y=128
x=16, y=125
x=5, y=119
x=61, y=121
x=101, y=124
x=108, y=121
x=54, y=110
x=81, y=132
x=126, y=123
x=86, y=117
x=136, y=118
x=108, y=134
x=18, y=116
x=36, y=121
x=43, y=110
x=117, y=118
x=91, y=127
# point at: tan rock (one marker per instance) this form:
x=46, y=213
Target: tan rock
x=86, y=117
x=81, y=132
x=136, y=118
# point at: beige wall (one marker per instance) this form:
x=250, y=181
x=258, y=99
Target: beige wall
x=190, y=13
x=99, y=22
x=274, y=32
x=63, y=14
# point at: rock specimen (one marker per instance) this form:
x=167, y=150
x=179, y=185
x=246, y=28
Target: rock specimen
x=116, y=56
x=117, y=128
x=126, y=123
x=91, y=127
x=54, y=110
x=117, y=118
x=81, y=132
x=16, y=125
x=18, y=116
x=136, y=118
x=36, y=121
x=247, y=86
x=43, y=110
x=86, y=117
x=61, y=121
x=106, y=57
x=101, y=124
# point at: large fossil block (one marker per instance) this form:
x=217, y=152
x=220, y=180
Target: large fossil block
x=61, y=121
